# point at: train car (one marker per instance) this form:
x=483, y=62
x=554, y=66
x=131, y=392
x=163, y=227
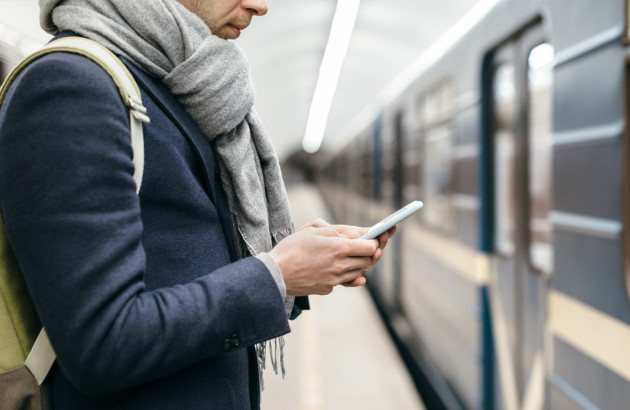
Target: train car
x=509, y=290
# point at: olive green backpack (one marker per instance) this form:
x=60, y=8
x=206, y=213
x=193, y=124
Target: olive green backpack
x=26, y=355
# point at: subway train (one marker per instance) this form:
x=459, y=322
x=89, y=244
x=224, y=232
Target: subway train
x=510, y=289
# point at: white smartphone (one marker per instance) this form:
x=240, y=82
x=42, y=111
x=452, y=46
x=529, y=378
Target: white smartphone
x=393, y=219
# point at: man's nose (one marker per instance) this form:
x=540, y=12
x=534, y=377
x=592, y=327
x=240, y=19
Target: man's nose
x=256, y=7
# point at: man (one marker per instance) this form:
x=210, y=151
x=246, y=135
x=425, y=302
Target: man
x=154, y=301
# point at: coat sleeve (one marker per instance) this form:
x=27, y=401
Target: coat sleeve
x=73, y=221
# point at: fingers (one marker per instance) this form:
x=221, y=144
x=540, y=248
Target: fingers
x=376, y=256
x=385, y=236
x=315, y=223
x=382, y=240
x=360, y=281
x=326, y=231
x=360, y=247
x=349, y=268
x=349, y=277
x=350, y=232
x=347, y=247
x=392, y=230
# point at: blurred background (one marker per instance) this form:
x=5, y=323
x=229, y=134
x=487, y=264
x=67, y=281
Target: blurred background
x=507, y=118
x=286, y=47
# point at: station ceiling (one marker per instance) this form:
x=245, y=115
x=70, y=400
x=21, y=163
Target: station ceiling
x=285, y=49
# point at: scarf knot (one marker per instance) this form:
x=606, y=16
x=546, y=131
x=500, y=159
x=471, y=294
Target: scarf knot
x=224, y=96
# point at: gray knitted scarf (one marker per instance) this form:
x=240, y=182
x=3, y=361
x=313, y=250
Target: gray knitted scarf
x=209, y=76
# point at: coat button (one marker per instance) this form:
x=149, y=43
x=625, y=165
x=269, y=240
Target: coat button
x=226, y=345
x=236, y=341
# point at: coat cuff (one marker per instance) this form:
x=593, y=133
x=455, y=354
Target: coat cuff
x=274, y=269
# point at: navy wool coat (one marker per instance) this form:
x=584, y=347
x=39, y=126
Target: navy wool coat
x=142, y=297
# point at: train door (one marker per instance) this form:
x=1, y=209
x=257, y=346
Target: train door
x=521, y=163
x=390, y=274
x=397, y=203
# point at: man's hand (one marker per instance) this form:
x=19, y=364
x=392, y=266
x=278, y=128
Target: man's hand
x=320, y=256
x=353, y=232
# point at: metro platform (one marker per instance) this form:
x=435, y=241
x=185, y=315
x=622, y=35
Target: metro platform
x=339, y=355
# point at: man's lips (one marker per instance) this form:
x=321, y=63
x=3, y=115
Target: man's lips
x=236, y=29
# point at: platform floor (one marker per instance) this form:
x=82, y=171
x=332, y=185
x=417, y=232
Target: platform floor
x=338, y=355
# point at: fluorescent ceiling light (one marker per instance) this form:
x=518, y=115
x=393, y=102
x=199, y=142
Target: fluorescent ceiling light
x=335, y=53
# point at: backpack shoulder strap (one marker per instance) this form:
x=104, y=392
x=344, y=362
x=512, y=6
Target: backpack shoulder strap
x=127, y=87
x=42, y=355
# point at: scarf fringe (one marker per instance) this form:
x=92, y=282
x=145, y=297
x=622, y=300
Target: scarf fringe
x=275, y=352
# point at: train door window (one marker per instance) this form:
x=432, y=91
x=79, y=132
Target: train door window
x=437, y=154
x=540, y=77
x=504, y=94
x=437, y=113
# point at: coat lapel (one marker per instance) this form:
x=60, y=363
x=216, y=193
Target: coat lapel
x=184, y=122
x=203, y=149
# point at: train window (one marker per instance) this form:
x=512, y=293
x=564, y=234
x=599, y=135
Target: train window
x=504, y=94
x=437, y=129
x=540, y=77
x=436, y=175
